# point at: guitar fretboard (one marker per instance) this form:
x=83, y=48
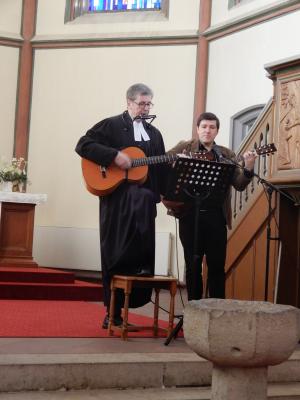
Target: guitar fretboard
x=138, y=162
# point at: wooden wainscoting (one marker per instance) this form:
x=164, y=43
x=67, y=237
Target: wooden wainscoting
x=246, y=265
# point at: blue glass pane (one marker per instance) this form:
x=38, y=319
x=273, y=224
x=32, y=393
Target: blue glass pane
x=119, y=5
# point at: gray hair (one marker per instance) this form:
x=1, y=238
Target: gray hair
x=136, y=89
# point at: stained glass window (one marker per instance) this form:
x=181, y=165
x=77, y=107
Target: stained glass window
x=124, y=5
x=120, y=8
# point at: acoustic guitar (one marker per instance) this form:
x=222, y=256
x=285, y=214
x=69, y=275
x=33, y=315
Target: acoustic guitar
x=102, y=181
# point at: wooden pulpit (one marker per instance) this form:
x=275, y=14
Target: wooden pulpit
x=17, y=227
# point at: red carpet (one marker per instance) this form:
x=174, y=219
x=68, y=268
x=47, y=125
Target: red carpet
x=65, y=319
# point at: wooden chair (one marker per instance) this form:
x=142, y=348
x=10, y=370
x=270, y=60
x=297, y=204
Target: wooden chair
x=126, y=283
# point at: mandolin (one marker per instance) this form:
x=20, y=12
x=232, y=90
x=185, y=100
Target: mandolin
x=102, y=181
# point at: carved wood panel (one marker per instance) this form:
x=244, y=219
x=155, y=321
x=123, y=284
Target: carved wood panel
x=289, y=125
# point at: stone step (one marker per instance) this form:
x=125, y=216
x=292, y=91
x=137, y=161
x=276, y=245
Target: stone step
x=29, y=372
x=286, y=391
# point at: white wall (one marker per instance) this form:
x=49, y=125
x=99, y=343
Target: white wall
x=10, y=17
x=8, y=82
x=10, y=23
x=237, y=78
x=78, y=248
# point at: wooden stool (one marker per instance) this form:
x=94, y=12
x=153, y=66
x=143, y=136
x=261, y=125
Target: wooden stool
x=127, y=283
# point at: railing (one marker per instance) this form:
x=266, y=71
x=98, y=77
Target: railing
x=260, y=134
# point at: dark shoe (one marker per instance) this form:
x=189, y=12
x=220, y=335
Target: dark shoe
x=117, y=321
x=144, y=272
x=105, y=322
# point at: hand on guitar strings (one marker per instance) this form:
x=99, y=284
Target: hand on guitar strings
x=122, y=160
x=249, y=159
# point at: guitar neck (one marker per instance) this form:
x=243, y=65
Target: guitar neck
x=138, y=162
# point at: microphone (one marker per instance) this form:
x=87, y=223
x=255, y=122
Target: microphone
x=144, y=117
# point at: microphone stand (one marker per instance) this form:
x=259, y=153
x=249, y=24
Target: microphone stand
x=270, y=188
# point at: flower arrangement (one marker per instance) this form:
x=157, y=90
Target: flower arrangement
x=14, y=171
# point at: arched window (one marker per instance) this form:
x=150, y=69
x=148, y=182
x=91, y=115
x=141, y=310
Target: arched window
x=241, y=123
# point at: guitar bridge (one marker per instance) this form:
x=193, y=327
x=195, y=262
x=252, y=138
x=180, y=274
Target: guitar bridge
x=103, y=171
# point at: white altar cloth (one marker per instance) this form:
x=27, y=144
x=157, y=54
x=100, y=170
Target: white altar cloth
x=17, y=197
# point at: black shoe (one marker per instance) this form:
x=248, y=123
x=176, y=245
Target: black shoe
x=144, y=272
x=105, y=322
x=118, y=321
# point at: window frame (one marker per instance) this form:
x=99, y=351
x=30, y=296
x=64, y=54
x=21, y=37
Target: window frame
x=239, y=124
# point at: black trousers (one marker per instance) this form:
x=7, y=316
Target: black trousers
x=211, y=242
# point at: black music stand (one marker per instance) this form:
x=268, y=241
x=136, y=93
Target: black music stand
x=199, y=180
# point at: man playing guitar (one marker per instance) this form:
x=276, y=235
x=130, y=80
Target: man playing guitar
x=214, y=218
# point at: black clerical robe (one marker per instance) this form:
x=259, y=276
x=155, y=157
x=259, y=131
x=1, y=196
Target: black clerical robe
x=127, y=215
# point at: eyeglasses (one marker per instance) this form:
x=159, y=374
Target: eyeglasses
x=143, y=104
